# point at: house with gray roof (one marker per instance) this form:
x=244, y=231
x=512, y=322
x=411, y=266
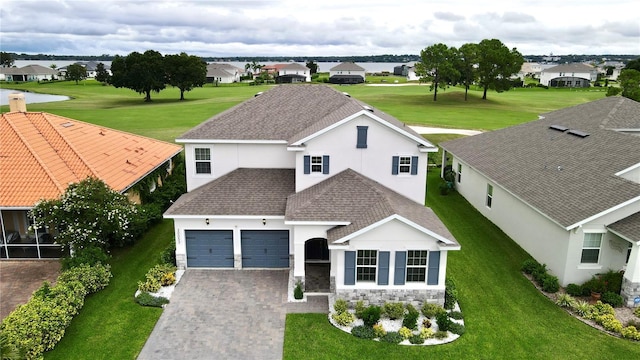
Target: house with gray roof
x=569, y=75
x=27, y=73
x=347, y=73
x=565, y=187
x=308, y=178
x=222, y=73
x=293, y=73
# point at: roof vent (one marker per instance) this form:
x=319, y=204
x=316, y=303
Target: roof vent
x=67, y=124
x=559, y=128
x=346, y=94
x=578, y=133
x=258, y=94
x=368, y=108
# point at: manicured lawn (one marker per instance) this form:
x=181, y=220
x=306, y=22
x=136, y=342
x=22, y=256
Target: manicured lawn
x=111, y=325
x=505, y=316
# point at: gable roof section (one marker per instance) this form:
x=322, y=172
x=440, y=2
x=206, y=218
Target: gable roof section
x=42, y=153
x=242, y=192
x=567, y=178
x=363, y=203
x=573, y=67
x=295, y=66
x=628, y=227
x=288, y=113
x=347, y=66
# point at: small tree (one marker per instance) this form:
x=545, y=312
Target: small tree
x=89, y=213
x=102, y=75
x=6, y=59
x=313, y=67
x=76, y=72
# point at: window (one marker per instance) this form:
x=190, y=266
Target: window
x=417, y=265
x=404, y=165
x=366, y=265
x=459, y=172
x=591, y=248
x=489, y=195
x=362, y=137
x=203, y=160
x=316, y=164
x=629, y=252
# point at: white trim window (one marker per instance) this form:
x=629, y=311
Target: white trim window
x=404, y=165
x=316, y=164
x=591, y=245
x=489, y=195
x=459, y=173
x=366, y=265
x=203, y=160
x=417, y=265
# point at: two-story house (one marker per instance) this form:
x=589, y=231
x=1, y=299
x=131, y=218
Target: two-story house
x=347, y=73
x=304, y=176
x=569, y=75
x=293, y=73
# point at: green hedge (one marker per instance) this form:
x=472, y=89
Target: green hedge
x=39, y=325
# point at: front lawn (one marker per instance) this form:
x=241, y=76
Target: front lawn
x=505, y=316
x=111, y=325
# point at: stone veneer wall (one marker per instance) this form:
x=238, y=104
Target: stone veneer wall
x=379, y=297
x=181, y=261
x=630, y=291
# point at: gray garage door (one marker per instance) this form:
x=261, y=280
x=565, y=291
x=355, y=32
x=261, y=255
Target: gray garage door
x=209, y=248
x=265, y=248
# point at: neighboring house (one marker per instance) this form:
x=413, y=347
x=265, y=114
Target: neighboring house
x=293, y=73
x=530, y=69
x=91, y=68
x=569, y=75
x=41, y=153
x=223, y=73
x=347, y=73
x=27, y=73
x=408, y=70
x=566, y=188
x=306, y=177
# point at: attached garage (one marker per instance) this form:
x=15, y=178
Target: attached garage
x=265, y=248
x=209, y=248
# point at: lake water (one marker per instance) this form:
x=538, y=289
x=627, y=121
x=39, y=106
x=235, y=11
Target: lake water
x=29, y=97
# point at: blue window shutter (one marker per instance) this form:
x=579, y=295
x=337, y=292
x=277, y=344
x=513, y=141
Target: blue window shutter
x=433, y=272
x=349, y=267
x=394, y=165
x=362, y=137
x=414, y=165
x=325, y=164
x=307, y=164
x=400, y=268
x=383, y=268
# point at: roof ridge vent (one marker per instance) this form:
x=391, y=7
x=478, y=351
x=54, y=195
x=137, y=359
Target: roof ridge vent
x=559, y=128
x=578, y=133
x=368, y=108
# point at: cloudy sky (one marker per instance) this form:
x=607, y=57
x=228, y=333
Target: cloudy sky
x=320, y=27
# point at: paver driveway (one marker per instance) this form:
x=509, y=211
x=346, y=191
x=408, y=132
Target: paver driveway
x=222, y=314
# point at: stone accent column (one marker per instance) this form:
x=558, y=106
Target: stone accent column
x=630, y=290
x=181, y=261
x=237, y=261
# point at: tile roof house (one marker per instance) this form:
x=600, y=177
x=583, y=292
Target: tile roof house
x=565, y=187
x=41, y=153
x=568, y=75
x=307, y=178
x=347, y=73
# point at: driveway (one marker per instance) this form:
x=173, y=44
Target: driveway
x=20, y=278
x=224, y=314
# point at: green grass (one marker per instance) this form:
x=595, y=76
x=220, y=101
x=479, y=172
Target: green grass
x=111, y=325
x=505, y=316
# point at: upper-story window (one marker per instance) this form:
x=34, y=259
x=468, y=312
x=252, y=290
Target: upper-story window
x=362, y=137
x=404, y=165
x=316, y=164
x=203, y=160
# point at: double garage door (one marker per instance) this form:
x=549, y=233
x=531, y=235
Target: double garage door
x=260, y=248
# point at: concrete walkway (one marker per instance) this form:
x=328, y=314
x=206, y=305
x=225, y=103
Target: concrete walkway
x=434, y=130
x=20, y=278
x=226, y=314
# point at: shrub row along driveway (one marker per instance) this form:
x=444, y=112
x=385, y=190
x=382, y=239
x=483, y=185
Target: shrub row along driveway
x=224, y=314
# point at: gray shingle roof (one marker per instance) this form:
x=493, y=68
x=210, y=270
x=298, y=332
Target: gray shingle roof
x=295, y=66
x=286, y=113
x=573, y=67
x=351, y=197
x=240, y=192
x=566, y=177
x=628, y=227
x=347, y=66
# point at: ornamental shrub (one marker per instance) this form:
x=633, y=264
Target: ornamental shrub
x=539, y=274
x=344, y=318
x=168, y=255
x=609, y=322
x=456, y=328
x=371, y=315
x=582, y=308
x=146, y=299
x=430, y=310
x=90, y=255
x=443, y=321
x=158, y=276
x=378, y=330
x=392, y=337
x=340, y=306
x=168, y=279
x=565, y=301
x=405, y=332
x=416, y=339
x=456, y=315
x=450, y=294
x=150, y=285
x=574, y=290
x=600, y=308
x=529, y=266
x=550, y=283
x=94, y=278
x=441, y=334
x=393, y=310
x=360, y=308
x=297, y=291
x=630, y=332
x=612, y=299
x=636, y=312
x=411, y=318
x=363, y=332
x=426, y=333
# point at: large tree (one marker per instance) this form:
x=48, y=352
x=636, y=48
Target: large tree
x=142, y=73
x=185, y=72
x=633, y=64
x=496, y=65
x=102, y=75
x=6, y=59
x=438, y=65
x=466, y=65
x=629, y=80
x=76, y=72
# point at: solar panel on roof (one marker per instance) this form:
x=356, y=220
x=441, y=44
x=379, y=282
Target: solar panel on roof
x=578, y=133
x=559, y=128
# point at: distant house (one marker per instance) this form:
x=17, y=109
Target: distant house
x=293, y=73
x=42, y=153
x=347, y=73
x=223, y=73
x=566, y=188
x=530, y=69
x=27, y=73
x=91, y=68
x=569, y=75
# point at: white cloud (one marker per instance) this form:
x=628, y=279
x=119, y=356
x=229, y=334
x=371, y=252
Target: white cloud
x=330, y=27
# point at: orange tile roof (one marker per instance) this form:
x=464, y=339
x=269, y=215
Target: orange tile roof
x=41, y=153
